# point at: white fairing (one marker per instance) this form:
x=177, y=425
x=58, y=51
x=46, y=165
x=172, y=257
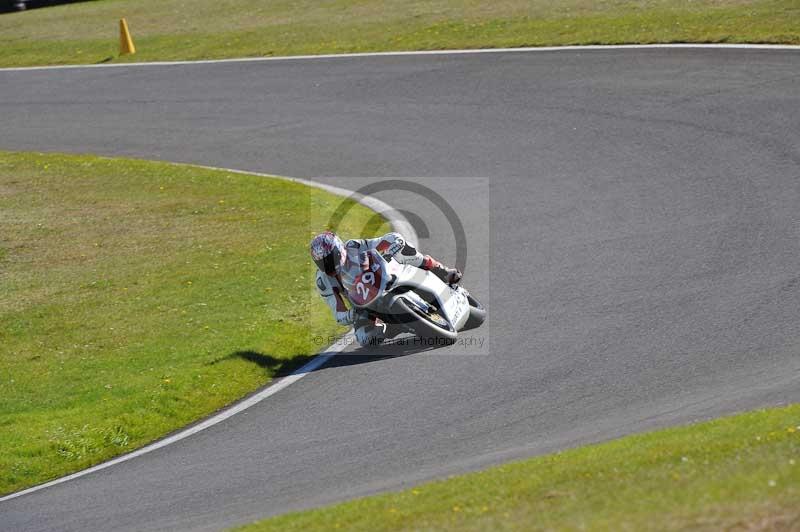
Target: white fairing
x=452, y=302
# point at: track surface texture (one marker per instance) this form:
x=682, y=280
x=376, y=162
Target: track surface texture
x=639, y=250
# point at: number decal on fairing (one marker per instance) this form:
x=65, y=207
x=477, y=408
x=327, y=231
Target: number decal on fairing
x=361, y=288
x=367, y=287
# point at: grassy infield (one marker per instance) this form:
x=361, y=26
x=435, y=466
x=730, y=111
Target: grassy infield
x=137, y=297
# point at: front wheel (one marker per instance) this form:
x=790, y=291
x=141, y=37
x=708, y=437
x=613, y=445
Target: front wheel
x=426, y=322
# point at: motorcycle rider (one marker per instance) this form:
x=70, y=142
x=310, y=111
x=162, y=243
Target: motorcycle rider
x=337, y=260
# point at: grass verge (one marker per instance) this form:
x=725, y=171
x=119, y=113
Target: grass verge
x=735, y=473
x=86, y=32
x=137, y=297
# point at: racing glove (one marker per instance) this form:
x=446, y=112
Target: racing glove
x=346, y=317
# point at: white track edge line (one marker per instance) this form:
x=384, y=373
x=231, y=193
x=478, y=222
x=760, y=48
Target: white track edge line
x=742, y=46
x=397, y=221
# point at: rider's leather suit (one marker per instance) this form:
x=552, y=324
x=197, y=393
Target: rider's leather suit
x=367, y=330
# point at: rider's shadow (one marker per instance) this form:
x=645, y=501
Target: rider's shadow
x=280, y=367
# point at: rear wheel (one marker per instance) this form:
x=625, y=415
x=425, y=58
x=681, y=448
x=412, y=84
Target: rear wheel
x=477, y=314
x=426, y=321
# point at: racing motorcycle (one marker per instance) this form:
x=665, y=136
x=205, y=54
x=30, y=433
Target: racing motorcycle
x=414, y=298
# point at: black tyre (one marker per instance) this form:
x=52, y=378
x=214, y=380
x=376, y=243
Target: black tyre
x=477, y=314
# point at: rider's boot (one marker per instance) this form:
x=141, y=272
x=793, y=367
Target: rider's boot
x=448, y=275
x=369, y=331
x=392, y=329
x=373, y=331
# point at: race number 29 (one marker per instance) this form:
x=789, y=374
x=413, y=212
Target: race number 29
x=361, y=288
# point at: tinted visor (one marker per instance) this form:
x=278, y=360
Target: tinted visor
x=329, y=262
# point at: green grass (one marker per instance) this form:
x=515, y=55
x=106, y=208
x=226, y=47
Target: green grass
x=87, y=32
x=734, y=473
x=137, y=297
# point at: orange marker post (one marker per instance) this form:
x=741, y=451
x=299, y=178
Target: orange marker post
x=125, y=41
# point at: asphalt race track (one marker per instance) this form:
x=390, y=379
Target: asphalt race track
x=633, y=221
